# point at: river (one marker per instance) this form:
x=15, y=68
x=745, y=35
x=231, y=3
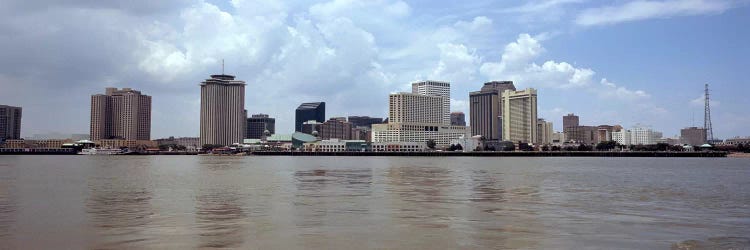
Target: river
x=286, y=202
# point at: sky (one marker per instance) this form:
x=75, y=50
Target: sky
x=624, y=62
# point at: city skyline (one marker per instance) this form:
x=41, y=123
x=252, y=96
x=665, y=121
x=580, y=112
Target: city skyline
x=647, y=69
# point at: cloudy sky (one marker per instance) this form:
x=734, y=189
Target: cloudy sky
x=609, y=61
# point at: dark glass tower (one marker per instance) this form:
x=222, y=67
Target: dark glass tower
x=309, y=111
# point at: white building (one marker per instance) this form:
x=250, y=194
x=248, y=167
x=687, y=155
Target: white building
x=437, y=89
x=638, y=135
x=336, y=145
x=544, y=132
x=519, y=115
x=419, y=116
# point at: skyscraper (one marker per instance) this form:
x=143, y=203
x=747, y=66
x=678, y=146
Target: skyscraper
x=519, y=115
x=410, y=107
x=570, y=120
x=223, y=114
x=458, y=119
x=259, y=123
x=120, y=114
x=438, y=89
x=485, y=110
x=309, y=111
x=336, y=128
x=364, y=121
x=10, y=122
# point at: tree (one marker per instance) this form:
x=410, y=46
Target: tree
x=606, y=145
x=459, y=147
x=555, y=148
x=545, y=148
x=209, y=147
x=431, y=144
x=584, y=147
x=662, y=146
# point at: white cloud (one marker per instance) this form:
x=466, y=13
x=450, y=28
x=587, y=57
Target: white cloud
x=648, y=9
x=612, y=90
x=478, y=24
x=701, y=101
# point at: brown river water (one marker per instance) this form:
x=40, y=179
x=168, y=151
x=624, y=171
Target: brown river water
x=285, y=202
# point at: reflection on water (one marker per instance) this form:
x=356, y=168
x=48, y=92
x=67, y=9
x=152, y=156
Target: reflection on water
x=120, y=211
x=321, y=191
x=220, y=219
x=186, y=202
x=7, y=203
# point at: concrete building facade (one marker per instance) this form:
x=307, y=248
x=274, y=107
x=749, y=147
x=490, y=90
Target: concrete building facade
x=519, y=115
x=364, y=121
x=437, y=89
x=485, y=109
x=10, y=122
x=544, y=132
x=223, y=114
x=309, y=111
x=570, y=120
x=693, y=136
x=120, y=114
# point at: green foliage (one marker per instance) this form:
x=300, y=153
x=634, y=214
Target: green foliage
x=209, y=147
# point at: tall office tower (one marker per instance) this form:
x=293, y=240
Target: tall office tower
x=10, y=122
x=257, y=124
x=223, y=114
x=570, y=120
x=693, y=136
x=308, y=111
x=519, y=115
x=335, y=128
x=364, y=121
x=120, y=114
x=485, y=111
x=458, y=119
x=410, y=107
x=439, y=89
x=544, y=132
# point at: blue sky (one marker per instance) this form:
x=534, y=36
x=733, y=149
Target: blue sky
x=611, y=62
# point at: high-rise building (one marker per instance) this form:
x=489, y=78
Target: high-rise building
x=415, y=117
x=693, y=136
x=257, y=125
x=519, y=115
x=364, y=121
x=309, y=111
x=10, y=122
x=458, y=119
x=570, y=120
x=223, y=114
x=120, y=114
x=544, y=132
x=336, y=128
x=485, y=111
x=638, y=135
x=438, y=89
x=410, y=107
x=604, y=133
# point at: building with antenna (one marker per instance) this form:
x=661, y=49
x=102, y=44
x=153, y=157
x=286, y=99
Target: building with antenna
x=707, y=117
x=223, y=115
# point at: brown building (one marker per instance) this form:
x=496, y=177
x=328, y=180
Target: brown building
x=570, y=120
x=458, y=119
x=485, y=109
x=604, y=133
x=10, y=122
x=121, y=113
x=693, y=136
x=335, y=128
x=582, y=134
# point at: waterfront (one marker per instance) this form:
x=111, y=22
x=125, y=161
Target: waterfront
x=284, y=202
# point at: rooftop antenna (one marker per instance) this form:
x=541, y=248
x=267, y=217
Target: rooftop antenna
x=707, y=118
x=222, y=66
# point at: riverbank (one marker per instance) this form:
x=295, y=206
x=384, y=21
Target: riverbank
x=507, y=154
x=739, y=155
